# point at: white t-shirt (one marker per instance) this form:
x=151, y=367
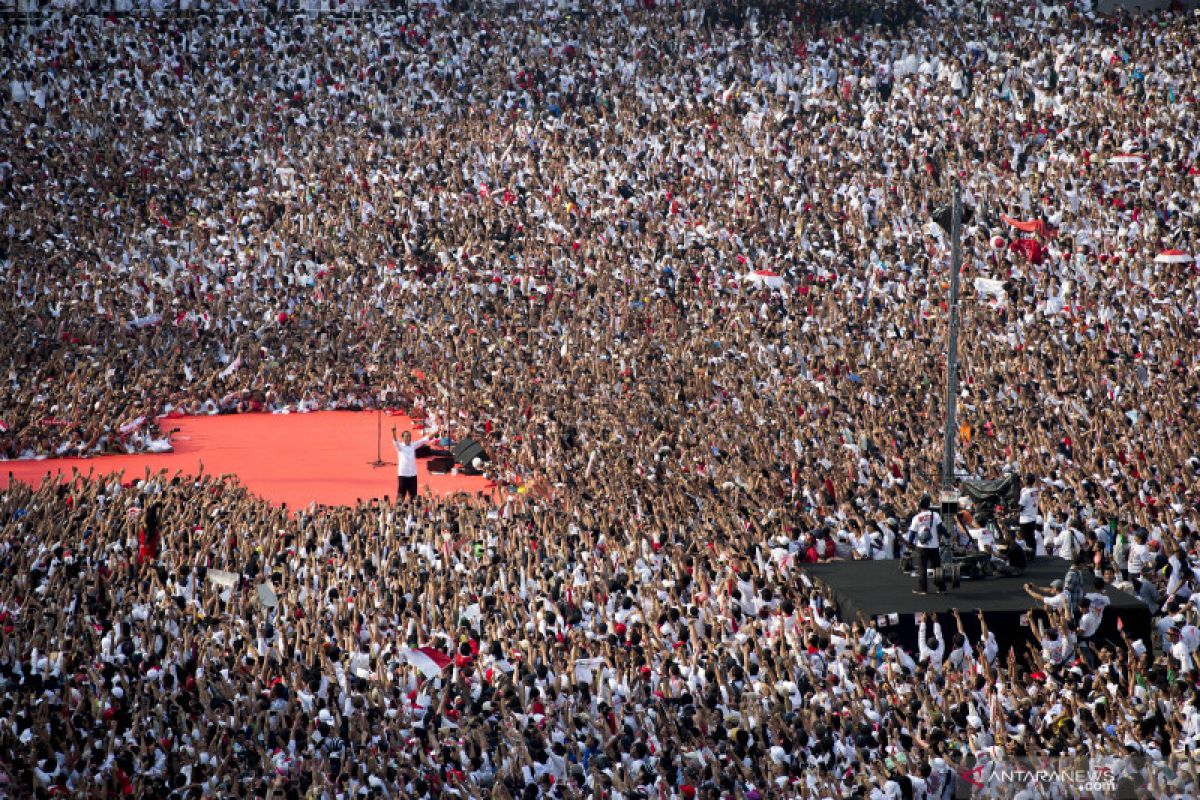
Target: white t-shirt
x=1066, y=543
x=1029, y=504
x=1139, y=556
x=1089, y=623
x=924, y=529
x=985, y=540
x=1060, y=600
x=406, y=457
x=885, y=539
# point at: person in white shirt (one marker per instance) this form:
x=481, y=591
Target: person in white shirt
x=1089, y=620
x=1097, y=598
x=1181, y=578
x=1184, y=642
x=1029, y=513
x=882, y=542
x=1055, y=597
x=924, y=534
x=932, y=649
x=1067, y=543
x=406, y=461
x=1139, y=552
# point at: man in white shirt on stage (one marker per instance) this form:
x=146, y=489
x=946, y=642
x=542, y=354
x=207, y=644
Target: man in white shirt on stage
x=406, y=460
x=924, y=535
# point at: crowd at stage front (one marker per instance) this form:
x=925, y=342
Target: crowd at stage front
x=675, y=267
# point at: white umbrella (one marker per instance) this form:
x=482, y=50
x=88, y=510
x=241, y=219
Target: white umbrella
x=765, y=277
x=1126, y=158
x=1172, y=257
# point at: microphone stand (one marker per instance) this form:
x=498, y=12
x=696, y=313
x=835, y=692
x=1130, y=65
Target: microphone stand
x=378, y=462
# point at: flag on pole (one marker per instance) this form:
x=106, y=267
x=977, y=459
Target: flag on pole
x=431, y=662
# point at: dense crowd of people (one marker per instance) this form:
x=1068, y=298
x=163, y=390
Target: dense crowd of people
x=674, y=264
x=175, y=637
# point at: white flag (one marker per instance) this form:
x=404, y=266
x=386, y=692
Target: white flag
x=232, y=368
x=989, y=287
x=222, y=578
x=585, y=668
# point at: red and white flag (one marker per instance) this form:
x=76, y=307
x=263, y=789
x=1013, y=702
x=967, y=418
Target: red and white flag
x=429, y=661
x=1173, y=257
x=1031, y=226
x=3, y=426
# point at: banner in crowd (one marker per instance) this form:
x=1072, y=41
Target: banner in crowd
x=1030, y=226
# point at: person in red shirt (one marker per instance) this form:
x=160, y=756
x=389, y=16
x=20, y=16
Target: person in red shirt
x=809, y=553
x=149, y=536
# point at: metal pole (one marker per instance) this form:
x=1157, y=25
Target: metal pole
x=949, y=492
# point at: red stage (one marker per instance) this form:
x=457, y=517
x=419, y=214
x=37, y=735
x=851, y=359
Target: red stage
x=285, y=458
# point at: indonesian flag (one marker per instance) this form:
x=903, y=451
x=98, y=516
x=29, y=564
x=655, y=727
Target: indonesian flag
x=1031, y=226
x=765, y=277
x=429, y=661
x=3, y=426
x=1172, y=257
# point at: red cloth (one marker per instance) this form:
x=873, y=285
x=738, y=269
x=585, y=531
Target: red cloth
x=1029, y=248
x=1031, y=226
x=147, y=546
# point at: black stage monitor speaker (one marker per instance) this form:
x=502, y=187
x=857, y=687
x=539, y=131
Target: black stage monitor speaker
x=467, y=451
x=440, y=465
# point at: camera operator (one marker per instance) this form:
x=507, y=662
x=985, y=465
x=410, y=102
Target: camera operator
x=924, y=533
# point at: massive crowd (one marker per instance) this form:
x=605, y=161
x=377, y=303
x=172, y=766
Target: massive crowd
x=560, y=218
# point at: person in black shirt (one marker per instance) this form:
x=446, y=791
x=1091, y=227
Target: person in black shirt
x=1015, y=555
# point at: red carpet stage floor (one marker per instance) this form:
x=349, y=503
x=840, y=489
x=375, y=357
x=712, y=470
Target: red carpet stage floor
x=285, y=458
